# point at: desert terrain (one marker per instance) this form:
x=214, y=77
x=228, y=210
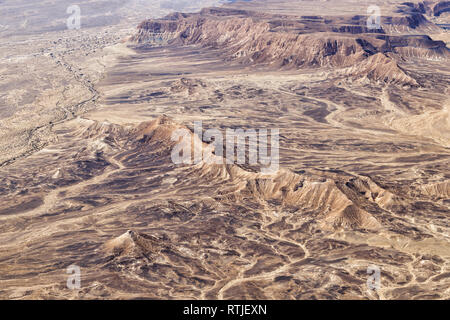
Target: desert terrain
x=87, y=119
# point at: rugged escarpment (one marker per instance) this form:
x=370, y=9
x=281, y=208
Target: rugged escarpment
x=287, y=42
x=335, y=201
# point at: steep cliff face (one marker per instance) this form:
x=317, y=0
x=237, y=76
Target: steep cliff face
x=286, y=42
x=379, y=67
